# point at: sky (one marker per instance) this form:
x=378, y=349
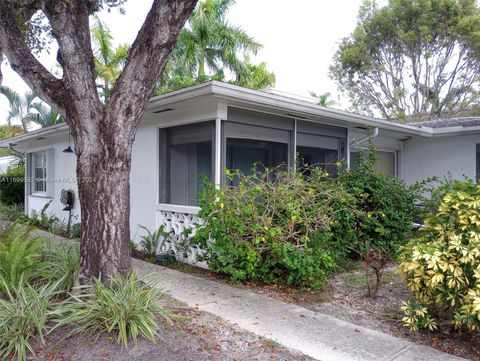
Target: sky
x=299, y=39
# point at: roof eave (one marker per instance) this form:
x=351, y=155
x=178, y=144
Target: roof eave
x=54, y=129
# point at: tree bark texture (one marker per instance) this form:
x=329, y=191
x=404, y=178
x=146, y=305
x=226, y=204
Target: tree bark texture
x=103, y=133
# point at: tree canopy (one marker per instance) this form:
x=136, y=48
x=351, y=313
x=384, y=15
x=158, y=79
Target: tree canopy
x=28, y=108
x=412, y=59
x=109, y=60
x=208, y=47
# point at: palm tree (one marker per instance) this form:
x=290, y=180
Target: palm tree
x=325, y=99
x=20, y=106
x=27, y=109
x=258, y=76
x=208, y=45
x=109, y=61
x=46, y=116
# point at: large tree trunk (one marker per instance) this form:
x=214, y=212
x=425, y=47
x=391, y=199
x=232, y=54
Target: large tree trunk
x=103, y=171
x=103, y=132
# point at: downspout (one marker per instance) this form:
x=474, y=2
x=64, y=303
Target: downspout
x=367, y=138
x=20, y=154
x=26, y=175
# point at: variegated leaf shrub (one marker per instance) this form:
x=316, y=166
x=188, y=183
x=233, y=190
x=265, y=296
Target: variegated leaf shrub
x=441, y=265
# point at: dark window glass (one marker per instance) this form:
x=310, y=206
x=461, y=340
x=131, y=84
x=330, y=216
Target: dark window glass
x=187, y=162
x=243, y=154
x=325, y=158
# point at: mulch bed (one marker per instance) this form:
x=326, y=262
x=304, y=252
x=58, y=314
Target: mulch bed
x=193, y=336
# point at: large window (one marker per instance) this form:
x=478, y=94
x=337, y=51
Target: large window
x=244, y=155
x=40, y=172
x=386, y=162
x=321, y=151
x=186, y=158
x=249, y=145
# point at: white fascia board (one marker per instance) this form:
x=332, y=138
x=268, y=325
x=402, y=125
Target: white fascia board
x=228, y=91
x=54, y=129
x=457, y=130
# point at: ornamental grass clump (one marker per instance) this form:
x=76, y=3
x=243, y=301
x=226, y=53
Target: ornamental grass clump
x=26, y=315
x=60, y=263
x=125, y=307
x=276, y=225
x=441, y=266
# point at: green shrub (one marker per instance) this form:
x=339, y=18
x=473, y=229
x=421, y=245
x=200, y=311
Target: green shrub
x=126, y=307
x=12, y=185
x=13, y=213
x=24, y=317
x=60, y=263
x=19, y=254
x=434, y=189
x=385, y=212
x=75, y=230
x=441, y=265
x=276, y=226
x=152, y=241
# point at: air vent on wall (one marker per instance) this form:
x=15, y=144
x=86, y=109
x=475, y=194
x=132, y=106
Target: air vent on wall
x=163, y=110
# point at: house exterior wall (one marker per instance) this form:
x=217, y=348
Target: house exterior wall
x=61, y=174
x=428, y=157
x=416, y=159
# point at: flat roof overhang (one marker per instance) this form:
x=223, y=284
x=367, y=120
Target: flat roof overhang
x=263, y=101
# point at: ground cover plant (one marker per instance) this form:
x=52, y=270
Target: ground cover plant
x=37, y=296
x=125, y=307
x=26, y=314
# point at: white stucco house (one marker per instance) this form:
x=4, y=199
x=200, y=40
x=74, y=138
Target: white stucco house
x=212, y=126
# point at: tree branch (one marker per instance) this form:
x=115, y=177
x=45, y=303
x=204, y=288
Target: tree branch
x=148, y=56
x=21, y=59
x=70, y=26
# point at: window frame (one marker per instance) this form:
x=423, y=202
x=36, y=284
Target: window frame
x=165, y=143
x=383, y=150
x=34, y=179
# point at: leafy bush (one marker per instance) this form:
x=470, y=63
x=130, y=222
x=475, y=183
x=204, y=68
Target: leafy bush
x=61, y=264
x=125, y=306
x=75, y=230
x=386, y=209
x=152, y=241
x=441, y=265
x=12, y=185
x=276, y=226
x=53, y=224
x=434, y=189
x=19, y=254
x=24, y=315
x=12, y=213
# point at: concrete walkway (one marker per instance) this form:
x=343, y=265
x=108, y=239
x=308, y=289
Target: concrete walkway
x=319, y=336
